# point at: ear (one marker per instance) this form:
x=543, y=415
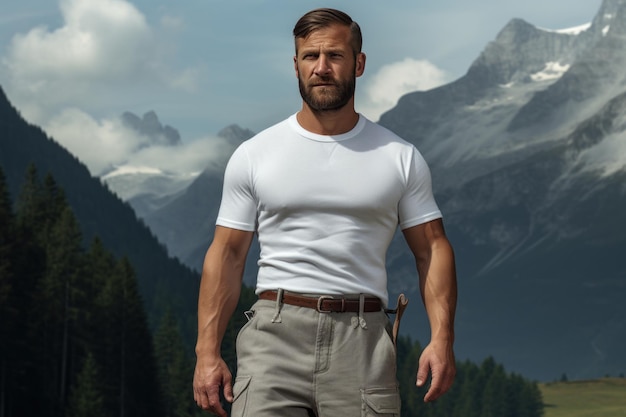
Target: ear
x=360, y=64
x=295, y=66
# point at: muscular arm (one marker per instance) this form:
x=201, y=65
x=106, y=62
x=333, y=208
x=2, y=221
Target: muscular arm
x=437, y=277
x=220, y=287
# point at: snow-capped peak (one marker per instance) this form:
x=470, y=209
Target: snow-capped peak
x=130, y=170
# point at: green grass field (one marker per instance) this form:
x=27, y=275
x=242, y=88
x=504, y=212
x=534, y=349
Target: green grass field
x=597, y=398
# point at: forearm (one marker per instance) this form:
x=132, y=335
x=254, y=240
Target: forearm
x=220, y=287
x=439, y=290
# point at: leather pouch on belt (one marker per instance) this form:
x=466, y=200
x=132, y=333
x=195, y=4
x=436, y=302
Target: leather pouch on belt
x=399, y=310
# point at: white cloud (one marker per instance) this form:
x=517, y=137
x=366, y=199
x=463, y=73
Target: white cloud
x=98, y=144
x=382, y=91
x=102, y=39
x=107, y=143
x=189, y=157
x=103, y=51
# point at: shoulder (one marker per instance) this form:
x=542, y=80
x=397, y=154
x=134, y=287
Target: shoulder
x=272, y=133
x=385, y=138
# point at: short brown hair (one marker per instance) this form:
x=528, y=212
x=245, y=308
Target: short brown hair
x=322, y=18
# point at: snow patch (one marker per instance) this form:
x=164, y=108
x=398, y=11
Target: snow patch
x=576, y=30
x=551, y=71
x=605, y=30
x=132, y=170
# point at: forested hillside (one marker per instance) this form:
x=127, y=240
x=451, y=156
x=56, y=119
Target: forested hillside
x=163, y=281
x=72, y=323
x=75, y=331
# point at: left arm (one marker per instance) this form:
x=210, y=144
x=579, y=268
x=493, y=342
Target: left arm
x=434, y=258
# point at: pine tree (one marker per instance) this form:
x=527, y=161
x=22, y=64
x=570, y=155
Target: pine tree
x=7, y=242
x=469, y=403
x=7, y=311
x=131, y=381
x=494, y=398
x=58, y=292
x=86, y=399
x=21, y=341
x=30, y=205
x=175, y=370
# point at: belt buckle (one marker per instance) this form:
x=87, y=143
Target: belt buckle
x=321, y=299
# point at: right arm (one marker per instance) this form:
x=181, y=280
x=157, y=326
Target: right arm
x=220, y=287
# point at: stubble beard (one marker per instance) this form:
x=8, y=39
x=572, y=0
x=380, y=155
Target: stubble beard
x=327, y=98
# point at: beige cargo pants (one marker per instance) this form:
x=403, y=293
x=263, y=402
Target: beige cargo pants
x=297, y=362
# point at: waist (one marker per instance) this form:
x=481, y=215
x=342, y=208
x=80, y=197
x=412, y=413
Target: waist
x=325, y=303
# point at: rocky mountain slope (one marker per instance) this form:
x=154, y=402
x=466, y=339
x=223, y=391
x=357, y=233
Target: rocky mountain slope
x=528, y=152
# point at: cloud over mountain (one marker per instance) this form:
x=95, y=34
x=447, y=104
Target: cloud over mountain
x=110, y=143
x=392, y=81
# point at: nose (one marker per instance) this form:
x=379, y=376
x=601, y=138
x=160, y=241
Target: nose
x=322, y=67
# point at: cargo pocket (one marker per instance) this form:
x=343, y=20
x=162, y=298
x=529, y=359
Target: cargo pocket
x=240, y=395
x=380, y=402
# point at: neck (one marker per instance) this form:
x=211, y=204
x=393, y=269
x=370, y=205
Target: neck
x=333, y=122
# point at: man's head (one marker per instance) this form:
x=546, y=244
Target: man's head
x=323, y=18
x=328, y=59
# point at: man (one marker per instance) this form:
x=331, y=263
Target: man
x=325, y=191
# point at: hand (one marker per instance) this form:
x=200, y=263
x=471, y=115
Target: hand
x=211, y=375
x=438, y=359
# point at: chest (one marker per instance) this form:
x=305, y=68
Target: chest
x=328, y=177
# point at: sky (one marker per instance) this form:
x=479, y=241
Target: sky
x=74, y=66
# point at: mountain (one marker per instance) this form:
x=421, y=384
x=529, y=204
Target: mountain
x=147, y=188
x=164, y=282
x=528, y=158
x=150, y=126
x=186, y=223
x=528, y=155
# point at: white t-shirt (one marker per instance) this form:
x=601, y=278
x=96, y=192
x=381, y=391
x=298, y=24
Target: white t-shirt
x=326, y=207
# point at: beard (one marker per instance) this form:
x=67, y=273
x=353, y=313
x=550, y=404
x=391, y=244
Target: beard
x=329, y=97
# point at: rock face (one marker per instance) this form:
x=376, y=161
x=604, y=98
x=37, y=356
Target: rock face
x=528, y=153
x=151, y=127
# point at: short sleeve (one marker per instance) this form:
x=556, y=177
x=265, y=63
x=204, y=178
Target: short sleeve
x=238, y=209
x=417, y=205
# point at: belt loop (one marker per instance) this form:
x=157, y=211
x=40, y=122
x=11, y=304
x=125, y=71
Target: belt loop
x=362, y=322
x=279, y=304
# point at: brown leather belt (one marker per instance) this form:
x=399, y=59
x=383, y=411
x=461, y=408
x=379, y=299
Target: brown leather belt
x=326, y=303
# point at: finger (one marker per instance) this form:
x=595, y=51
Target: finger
x=422, y=372
x=213, y=401
x=441, y=383
x=434, y=392
x=228, y=391
x=198, y=395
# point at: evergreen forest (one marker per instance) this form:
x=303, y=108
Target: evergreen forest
x=76, y=339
